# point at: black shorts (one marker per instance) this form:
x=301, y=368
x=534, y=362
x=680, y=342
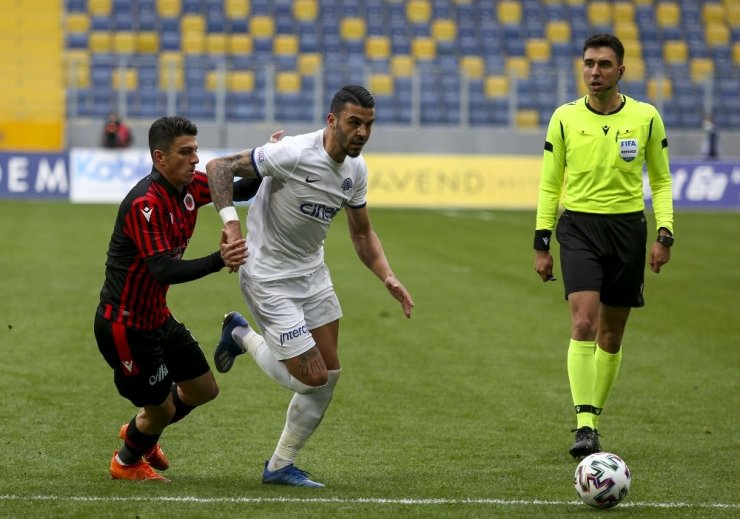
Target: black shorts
x=146, y=363
x=605, y=253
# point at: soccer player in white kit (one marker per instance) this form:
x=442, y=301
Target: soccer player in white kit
x=307, y=180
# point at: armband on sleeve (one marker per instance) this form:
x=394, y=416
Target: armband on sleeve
x=542, y=239
x=228, y=214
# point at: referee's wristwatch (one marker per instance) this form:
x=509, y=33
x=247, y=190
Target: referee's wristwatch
x=665, y=239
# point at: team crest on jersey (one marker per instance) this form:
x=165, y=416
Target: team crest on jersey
x=628, y=149
x=189, y=202
x=347, y=185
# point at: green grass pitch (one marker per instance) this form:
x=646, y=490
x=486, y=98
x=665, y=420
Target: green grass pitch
x=462, y=411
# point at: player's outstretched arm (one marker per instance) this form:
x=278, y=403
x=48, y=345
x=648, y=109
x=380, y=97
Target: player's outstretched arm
x=370, y=251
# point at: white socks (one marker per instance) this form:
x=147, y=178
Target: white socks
x=255, y=344
x=305, y=413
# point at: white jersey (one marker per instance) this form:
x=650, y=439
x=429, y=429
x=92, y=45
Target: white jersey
x=302, y=190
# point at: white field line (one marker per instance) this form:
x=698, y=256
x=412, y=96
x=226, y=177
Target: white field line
x=358, y=500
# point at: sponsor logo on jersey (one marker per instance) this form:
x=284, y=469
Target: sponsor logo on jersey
x=628, y=149
x=260, y=155
x=319, y=211
x=292, y=334
x=189, y=202
x=310, y=180
x=159, y=376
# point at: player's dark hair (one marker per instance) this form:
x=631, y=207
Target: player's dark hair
x=166, y=129
x=355, y=94
x=605, y=40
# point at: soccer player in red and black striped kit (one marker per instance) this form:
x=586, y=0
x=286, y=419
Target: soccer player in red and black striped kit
x=158, y=365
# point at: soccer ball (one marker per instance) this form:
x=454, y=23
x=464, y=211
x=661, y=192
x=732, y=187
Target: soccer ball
x=602, y=480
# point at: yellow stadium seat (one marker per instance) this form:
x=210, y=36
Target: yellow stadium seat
x=509, y=12
x=377, y=47
x=444, y=29
x=675, y=52
x=236, y=9
x=423, y=48
x=352, y=28
x=527, y=118
x=599, y=13
x=240, y=44
x=171, y=78
x=262, y=26
x=381, y=84
x=713, y=12
x=147, y=42
x=214, y=78
x=418, y=11
x=717, y=34
x=309, y=63
x=701, y=69
x=558, y=31
x=193, y=43
x=305, y=10
x=285, y=45
x=77, y=23
x=626, y=30
x=632, y=48
x=288, y=82
x=77, y=68
x=402, y=65
x=659, y=88
x=537, y=49
x=733, y=13
x=575, y=2
x=170, y=61
x=496, y=87
x=126, y=79
x=736, y=53
x=193, y=23
x=100, y=42
x=473, y=66
x=668, y=14
x=216, y=43
x=124, y=42
x=623, y=11
x=634, y=70
x=99, y=7
x=168, y=8
x=240, y=81
x=518, y=66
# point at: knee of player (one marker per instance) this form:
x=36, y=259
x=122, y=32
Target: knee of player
x=316, y=380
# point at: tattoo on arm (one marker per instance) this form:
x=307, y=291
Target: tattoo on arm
x=221, y=173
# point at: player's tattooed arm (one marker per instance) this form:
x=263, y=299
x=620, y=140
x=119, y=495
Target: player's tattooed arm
x=221, y=172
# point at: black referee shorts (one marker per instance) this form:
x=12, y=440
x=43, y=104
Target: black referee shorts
x=146, y=363
x=604, y=253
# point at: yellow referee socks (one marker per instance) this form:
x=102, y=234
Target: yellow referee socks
x=582, y=376
x=607, y=368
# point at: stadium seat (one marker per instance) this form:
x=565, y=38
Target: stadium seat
x=402, y=66
x=675, y=52
x=77, y=22
x=239, y=44
x=124, y=42
x=537, y=50
x=496, y=87
x=634, y=70
x=242, y=81
x=667, y=14
x=518, y=66
x=193, y=43
x=527, y=118
x=216, y=44
x=736, y=53
x=168, y=8
x=509, y=12
x=626, y=30
x=712, y=12
x=193, y=23
x=418, y=11
x=599, y=13
x=623, y=12
x=262, y=26
x=717, y=34
x=308, y=64
x=352, y=29
x=305, y=10
x=659, y=88
x=444, y=30
x=473, y=67
x=557, y=31
x=100, y=8
x=423, y=49
x=147, y=42
x=701, y=69
x=377, y=48
x=381, y=84
x=170, y=71
x=126, y=79
x=288, y=82
x=285, y=45
x=77, y=68
x=100, y=42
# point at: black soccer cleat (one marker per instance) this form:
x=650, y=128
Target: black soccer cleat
x=587, y=442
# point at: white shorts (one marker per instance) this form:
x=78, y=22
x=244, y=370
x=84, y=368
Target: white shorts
x=286, y=310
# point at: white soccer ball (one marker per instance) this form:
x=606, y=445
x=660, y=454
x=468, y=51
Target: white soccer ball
x=602, y=480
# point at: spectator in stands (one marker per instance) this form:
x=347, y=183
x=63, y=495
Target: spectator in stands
x=116, y=134
x=595, y=151
x=710, y=148
x=307, y=180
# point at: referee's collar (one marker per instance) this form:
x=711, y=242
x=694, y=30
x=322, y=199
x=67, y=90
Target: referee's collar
x=621, y=105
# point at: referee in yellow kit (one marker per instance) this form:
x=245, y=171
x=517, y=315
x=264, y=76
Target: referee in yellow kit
x=595, y=151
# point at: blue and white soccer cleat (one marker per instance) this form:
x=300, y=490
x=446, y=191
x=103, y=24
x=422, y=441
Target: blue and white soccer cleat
x=290, y=475
x=227, y=348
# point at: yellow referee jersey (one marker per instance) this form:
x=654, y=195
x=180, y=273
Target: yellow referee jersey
x=594, y=162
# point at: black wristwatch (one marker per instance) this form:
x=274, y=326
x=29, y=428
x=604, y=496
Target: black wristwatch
x=666, y=240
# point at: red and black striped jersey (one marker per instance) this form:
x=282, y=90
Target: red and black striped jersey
x=153, y=219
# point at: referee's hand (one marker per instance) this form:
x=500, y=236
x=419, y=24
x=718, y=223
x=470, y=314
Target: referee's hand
x=543, y=265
